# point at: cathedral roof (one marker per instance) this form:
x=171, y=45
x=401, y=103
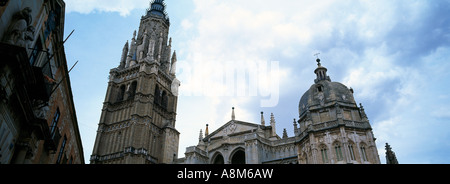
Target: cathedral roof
x=325, y=91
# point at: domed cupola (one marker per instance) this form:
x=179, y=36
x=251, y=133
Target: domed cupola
x=329, y=120
x=321, y=73
x=325, y=93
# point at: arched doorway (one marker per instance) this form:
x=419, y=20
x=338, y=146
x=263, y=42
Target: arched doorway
x=218, y=159
x=238, y=157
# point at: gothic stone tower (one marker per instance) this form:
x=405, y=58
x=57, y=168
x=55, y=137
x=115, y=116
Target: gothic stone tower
x=333, y=129
x=137, y=125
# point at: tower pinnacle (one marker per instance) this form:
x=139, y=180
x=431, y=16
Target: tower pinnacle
x=158, y=8
x=233, y=117
x=390, y=155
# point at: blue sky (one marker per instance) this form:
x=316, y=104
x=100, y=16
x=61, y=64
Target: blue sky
x=394, y=54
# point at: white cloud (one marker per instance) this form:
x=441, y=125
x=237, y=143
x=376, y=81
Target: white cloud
x=186, y=24
x=364, y=43
x=373, y=46
x=123, y=7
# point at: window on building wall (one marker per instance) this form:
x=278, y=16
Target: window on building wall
x=306, y=158
x=338, y=151
x=132, y=90
x=157, y=94
x=52, y=21
x=320, y=89
x=363, y=153
x=55, y=121
x=121, y=93
x=324, y=152
x=61, y=150
x=36, y=51
x=352, y=152
x=164, y=100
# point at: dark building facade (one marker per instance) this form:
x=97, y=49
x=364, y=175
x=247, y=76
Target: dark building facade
x=38, y=123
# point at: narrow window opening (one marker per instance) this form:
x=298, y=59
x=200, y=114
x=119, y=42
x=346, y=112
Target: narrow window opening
x=363, y=152
x=352, y=153
x=339, y=156
x=132, y=90
x=320, y=88
x=324, y=155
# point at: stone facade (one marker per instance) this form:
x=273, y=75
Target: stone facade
x=137, y=125
x=333, y=130
x=239, y=142
x=38, y=123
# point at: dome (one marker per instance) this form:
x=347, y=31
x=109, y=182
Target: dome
x=324, y=91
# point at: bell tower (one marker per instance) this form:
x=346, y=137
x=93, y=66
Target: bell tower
x=137, y=125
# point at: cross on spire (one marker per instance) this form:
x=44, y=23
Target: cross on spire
x=317, y=55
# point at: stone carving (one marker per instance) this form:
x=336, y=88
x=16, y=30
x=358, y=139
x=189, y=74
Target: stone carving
x=20, y=31
x=232, y=127
x=40, y=111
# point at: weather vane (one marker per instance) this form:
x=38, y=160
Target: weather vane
x=317, y=55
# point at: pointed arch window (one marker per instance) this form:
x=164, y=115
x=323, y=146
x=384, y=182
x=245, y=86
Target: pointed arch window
x=132, y=90
x=121, y=93
x=164, y=100
x=352, y=152
x=338, y=150
x=157, y=95
x=363, y=153
x=324, y=152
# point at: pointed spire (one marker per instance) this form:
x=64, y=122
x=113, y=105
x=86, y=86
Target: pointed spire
x=263, y=122
x=206, y=131
x=285, y=135
x=200, y=137
x=173, y=67
x=272, y=119
x=233, y=117
x=390, y=155
x=272, y=124
x=123, y=59
x=363, y=113
x=132, y=50
x=295, y=127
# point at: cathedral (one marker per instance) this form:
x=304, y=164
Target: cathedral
x=331, y=129
x=137, y=125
